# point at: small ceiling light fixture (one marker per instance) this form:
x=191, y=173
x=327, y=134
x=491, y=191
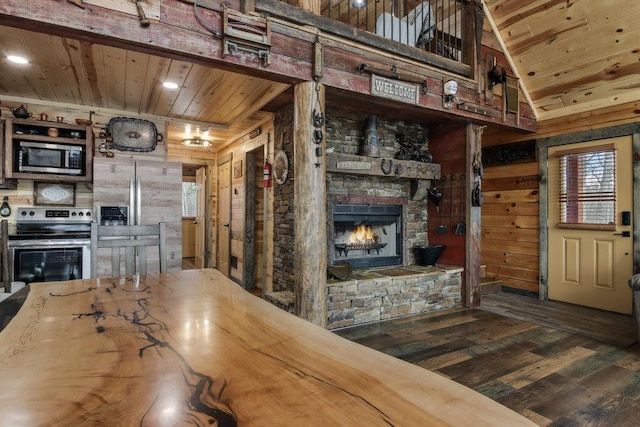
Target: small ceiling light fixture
x=170, y=85
x=358, y=4
x=450, y=91
x=196, y=141
x=17, y=59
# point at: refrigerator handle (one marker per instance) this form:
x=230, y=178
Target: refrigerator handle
x=138, y=200
x=132, y=200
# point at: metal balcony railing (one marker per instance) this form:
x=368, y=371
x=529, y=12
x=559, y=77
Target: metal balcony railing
x=435, y=26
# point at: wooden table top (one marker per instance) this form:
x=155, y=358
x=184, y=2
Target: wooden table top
x=193, y=348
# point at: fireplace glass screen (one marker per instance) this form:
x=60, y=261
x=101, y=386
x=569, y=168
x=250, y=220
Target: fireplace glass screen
x=367, y=236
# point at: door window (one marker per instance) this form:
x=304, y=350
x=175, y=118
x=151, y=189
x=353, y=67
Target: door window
x=189, y=199
x=587, y=195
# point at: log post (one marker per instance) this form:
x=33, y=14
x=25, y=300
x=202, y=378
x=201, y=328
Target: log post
x=473, y=217
x=310, y=195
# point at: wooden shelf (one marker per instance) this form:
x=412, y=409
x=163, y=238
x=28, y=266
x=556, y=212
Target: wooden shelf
x=17, y=130
x=374, y=166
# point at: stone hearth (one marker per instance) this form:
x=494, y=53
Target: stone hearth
x=382, y=294
x=374, y=295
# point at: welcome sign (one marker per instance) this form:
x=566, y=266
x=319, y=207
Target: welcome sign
x=394, y=89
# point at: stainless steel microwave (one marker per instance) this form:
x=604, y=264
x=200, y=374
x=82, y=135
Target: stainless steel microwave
x=42, y=157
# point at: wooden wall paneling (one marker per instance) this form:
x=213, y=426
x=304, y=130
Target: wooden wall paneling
x=238, y=200
x=445, y=144
x=211, y=212
x=511, y=246
x=504, y=258
x=511, y=224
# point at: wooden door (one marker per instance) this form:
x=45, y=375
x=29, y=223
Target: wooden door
x=590, y=264
x=224, y=216
x=188, y=238
x=201, y=176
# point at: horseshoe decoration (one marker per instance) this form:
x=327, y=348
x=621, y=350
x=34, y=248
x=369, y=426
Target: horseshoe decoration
x=386, y=169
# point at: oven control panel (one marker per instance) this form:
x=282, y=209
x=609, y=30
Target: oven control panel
x=55, y=214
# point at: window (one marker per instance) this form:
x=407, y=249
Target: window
x=189, y=199
x=588, y=186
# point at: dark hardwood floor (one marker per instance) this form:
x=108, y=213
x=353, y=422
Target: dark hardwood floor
x=553, y=377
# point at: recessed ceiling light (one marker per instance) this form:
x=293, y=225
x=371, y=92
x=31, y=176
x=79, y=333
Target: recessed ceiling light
x=17, y=59
x=170, y=85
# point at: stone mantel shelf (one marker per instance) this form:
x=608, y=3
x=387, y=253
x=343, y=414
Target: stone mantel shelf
x=373, y=166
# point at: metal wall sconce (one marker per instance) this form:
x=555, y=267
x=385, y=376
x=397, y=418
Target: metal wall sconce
x=450, y=91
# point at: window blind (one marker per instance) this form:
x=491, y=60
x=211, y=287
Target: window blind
x=588, y=187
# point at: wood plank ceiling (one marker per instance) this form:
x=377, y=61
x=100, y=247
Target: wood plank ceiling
x=76, y=77
x=571, y=55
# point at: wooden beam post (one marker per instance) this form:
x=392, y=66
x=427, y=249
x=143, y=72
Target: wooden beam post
x=474, y=215
x=310, y=196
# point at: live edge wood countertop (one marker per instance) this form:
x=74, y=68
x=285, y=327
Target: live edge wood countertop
x=193, y=348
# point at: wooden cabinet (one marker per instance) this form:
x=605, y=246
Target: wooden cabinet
x=20, y=133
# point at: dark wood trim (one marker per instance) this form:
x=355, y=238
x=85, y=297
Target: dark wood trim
x=395, y=169
x=589, y=135
x=248, y=243
x=290, y=13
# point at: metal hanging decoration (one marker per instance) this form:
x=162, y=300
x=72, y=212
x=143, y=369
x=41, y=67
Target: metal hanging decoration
x=370, y=143
x=317, y=119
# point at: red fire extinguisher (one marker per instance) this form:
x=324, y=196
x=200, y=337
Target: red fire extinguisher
x=266, y=174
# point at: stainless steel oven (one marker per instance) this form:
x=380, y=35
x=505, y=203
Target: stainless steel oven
x=51, y=244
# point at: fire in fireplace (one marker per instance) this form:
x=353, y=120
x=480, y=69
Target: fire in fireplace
x=367, y=236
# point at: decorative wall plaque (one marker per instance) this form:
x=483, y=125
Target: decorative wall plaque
x=394, y=89
x=237, y=169
x=280, y=167
x=54, y=194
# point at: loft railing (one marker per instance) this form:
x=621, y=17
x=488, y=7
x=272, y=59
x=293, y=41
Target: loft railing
x=439, y=27
x=434, y=26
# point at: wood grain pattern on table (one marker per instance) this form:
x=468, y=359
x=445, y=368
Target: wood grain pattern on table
x=194, y=348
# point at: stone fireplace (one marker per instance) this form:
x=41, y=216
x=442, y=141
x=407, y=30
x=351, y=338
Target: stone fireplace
x=372, y=196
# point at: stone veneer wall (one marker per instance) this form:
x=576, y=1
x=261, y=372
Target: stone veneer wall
x=283, y=209
x=375, y=295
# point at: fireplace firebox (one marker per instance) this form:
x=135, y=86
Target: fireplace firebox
x=367, y=236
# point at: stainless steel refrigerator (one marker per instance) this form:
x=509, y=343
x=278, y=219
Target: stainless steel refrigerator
x=152, y=193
